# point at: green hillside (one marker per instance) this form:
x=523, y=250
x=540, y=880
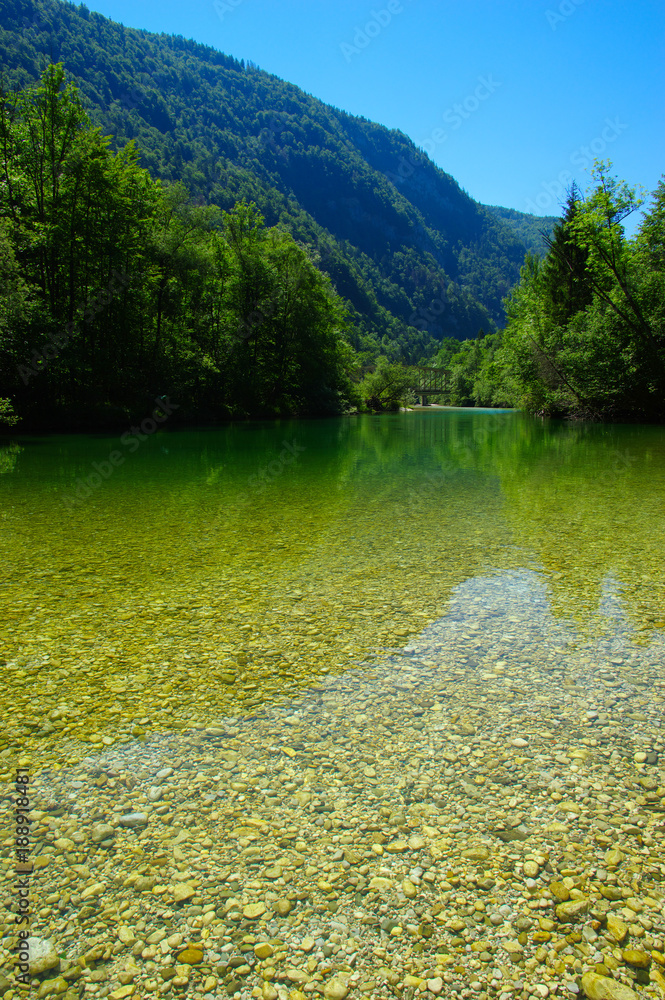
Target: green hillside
x=415, y=257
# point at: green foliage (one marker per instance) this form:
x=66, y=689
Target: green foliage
x=586, y=331
x=116, y=288
x=472, y=376
x=532, y=230
x=450, y=346
x=413, y=256
x=565, y=281
x=388, y=387
x=7, y=415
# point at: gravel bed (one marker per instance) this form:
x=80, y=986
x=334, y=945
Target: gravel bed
x=481, y=814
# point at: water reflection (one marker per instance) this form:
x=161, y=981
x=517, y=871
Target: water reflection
x=222, y=569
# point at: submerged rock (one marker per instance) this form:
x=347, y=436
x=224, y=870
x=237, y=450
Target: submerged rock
x=134, y=821
x=43, y=956
x=598, y=987
x=101, y=832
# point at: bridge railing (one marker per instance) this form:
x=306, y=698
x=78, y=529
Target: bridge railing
x=431, y=381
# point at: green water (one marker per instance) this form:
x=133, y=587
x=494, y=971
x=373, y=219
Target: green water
x=188, y=586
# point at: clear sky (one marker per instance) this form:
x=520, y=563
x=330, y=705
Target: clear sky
x=511, y=97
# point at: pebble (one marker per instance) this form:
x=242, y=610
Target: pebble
x=102, y=831
x=616, y=927
x=640, y=959
x=573, y=910
x=133, y=820
x=335, y=990
x=598, y=987
x=52, y=987
x=42, y=956
x=190, y=956
x=182, y=891
x=382, y=834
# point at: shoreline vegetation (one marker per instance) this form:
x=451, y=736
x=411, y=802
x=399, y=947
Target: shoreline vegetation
x=117, y=289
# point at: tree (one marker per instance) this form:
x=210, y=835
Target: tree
x=585, y=326
x=388, y=387
x=564, y=277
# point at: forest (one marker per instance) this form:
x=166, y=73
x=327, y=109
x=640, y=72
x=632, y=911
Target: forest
x=413, y=256
x=585, y=333
x=129, y=271
x=116, y=289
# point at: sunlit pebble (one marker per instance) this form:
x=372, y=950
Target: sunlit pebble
x=352, y=767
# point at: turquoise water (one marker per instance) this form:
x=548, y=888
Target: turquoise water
x=148, y=585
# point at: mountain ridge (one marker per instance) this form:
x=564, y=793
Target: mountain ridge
x=413, y=254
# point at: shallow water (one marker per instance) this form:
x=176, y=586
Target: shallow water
x=305, y=703
x=189, y=585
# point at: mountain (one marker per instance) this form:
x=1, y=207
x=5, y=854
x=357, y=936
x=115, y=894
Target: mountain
x=530, y=229
x=416, y=258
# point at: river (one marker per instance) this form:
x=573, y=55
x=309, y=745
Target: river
x=391, y=613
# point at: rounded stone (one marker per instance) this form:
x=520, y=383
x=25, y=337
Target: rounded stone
x=42, y=956
x=616, y=927
x=572, y=910
x=182, y=891
x=191, y=955
x=133, y=821
x=102, y=831
x=640, y=959
x=598, y=987
x=52, y=987
x=409, y=889
x=335, y=990
x=561, y=891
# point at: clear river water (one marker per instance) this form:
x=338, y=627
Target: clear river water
x=204, y=573
x=364, y=707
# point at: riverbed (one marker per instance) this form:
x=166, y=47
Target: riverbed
x=355, y=707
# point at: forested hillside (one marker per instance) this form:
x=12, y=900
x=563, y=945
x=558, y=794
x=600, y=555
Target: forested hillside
x=412, y=254
x=585, y=336
x=117, y=292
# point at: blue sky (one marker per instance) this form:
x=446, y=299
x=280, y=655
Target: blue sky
x=512, y=98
